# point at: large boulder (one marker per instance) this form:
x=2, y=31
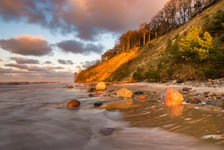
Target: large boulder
x=124, y=92
x=101, y=86
x=73, y=103
x=173, y=97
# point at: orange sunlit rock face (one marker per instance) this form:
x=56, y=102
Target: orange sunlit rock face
x=175, y=110
x=173, y=97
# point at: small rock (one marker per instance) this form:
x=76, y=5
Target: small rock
x=211, y=102
x=106, y=131
x=98, y=104
x=193, y=101
x=186, y=89
x=112, y=94
x=92, y=95
x=142, y=97
x=124, y=92
x=101, y=86
x=69, y=86
x=206, y=93
x=92, y=90
x=73, y=103
x=219, y=102
x=139, y=93
x=99, y=92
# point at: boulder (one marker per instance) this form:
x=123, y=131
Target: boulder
x=73, y=103
x=101, y=86
x=173, y=97
x=124, y=92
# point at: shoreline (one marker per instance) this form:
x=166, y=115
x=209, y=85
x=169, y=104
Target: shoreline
x=204, y=93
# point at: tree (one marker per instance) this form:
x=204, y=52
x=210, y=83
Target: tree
x=196, y=45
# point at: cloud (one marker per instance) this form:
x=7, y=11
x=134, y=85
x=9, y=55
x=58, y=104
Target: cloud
x=9, y=75
x=87, y=63
x=29, y=68
x=65, y=62
x=6, y=70
x=23, y=72
x=20, y=60
x=48, y=62
x=26, y=45
x=78, y=47
x=59, y=68
x=85, y=18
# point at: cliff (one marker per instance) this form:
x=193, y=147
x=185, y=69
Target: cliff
x=163, y=59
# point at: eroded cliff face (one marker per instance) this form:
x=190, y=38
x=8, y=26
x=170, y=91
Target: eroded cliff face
x=103, y=71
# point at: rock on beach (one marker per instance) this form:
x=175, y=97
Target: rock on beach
x=101, y=86
x=124, y=92
x=173, y=97
x=73, y=103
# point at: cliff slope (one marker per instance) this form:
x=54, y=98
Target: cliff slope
x=155, y=62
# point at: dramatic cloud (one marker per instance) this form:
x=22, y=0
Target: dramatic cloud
x=20, y=60
x=65, y=62
x=79, y=47
x=26, y=45
x=85, y=18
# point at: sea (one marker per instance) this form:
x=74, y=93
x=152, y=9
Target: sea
x=33, y=116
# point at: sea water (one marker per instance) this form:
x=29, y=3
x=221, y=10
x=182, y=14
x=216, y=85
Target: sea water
x=34, y=117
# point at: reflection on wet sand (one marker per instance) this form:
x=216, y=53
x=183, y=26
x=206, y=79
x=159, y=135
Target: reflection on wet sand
x=124, y=104
x=175, y=110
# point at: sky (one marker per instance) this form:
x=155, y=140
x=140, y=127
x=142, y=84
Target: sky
x=49, y=40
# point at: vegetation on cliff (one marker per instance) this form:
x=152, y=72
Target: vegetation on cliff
x=180, y=42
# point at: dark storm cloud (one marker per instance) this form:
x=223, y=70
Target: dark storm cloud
x=65, y=62
x=20, y=60
x=85, y=18
x=78, y=47
x=26, y=45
